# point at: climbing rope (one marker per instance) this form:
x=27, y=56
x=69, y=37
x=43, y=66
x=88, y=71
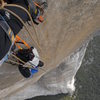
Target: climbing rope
x=17, y=63
x=27, y=66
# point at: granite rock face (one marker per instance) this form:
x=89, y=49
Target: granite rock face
x=68, y=24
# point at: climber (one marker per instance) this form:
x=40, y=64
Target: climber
x=31, y=57
x=10, y=27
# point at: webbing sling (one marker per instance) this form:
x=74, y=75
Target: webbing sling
x=7, y=29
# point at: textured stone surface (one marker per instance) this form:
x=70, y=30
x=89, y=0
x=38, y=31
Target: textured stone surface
x=68, y=23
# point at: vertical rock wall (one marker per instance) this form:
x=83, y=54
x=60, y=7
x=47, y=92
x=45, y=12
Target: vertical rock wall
x=67, y=25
